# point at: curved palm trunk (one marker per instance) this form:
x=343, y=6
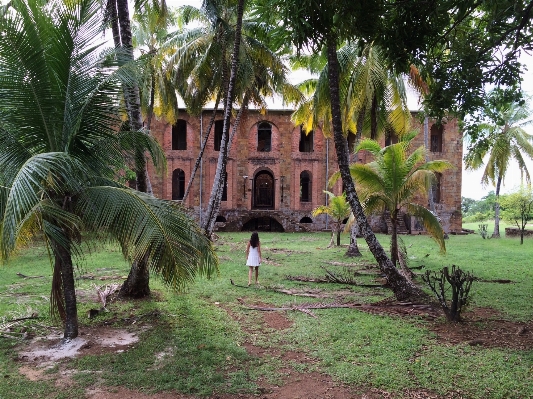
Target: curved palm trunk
x=137, y=283
x=496, y=233
x=402, y=287
x=202, y=149
x=216, y=210
x=353, y=249
x=216, y=191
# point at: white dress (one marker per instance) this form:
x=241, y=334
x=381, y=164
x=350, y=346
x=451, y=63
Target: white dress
x=253, y=257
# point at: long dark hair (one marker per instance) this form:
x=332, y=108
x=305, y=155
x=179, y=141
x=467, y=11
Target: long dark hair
x=254, y=240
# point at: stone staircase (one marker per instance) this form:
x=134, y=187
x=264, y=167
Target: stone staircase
x=401, y=228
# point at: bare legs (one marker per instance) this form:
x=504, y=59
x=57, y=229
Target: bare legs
x=250, y=274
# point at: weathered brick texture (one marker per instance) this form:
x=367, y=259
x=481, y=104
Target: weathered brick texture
x=284, y=164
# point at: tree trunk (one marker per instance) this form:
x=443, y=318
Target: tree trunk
x=339, y=236
x=403, y=289
x=353, y=249
x=496, y=233
x=374, y=118
x=137, y=285
x=138, y=278
x=394, y=237
x=216, y=191
x=63, y=289
x=202, y=149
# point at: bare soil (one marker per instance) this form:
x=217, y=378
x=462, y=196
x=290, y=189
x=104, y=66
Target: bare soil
x=481, y=327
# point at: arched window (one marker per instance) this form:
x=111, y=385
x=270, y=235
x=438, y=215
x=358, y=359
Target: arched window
x=306, y=141
x=219, y=128
x=264, y=137
x=179, y=135
x=436, y=188
x=178, y=184
x=305, y=186
x=436, y=138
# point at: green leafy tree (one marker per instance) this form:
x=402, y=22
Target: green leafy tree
x=338, y=209
x=518, y=209
x=61, y=149
x=504, y=140
x=392, y=181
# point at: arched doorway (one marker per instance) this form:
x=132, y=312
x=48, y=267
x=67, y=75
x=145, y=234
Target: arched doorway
x=263, y=191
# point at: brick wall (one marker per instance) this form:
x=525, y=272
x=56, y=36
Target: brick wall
x=283, y=164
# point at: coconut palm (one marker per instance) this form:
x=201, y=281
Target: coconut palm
x=203, y=56
x=505, y=141
x=339, y=210
x=61, y=149
x=392, y=181
x=373, y=100
x=150, y=29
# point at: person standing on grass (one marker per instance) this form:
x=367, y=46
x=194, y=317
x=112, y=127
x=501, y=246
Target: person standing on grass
x=253, y=257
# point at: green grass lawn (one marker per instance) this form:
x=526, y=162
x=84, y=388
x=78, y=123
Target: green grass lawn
x=202, y=332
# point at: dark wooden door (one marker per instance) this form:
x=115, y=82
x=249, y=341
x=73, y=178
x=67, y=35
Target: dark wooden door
x=264, y=191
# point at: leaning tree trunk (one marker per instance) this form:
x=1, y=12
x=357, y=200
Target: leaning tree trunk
x=353, y=249
x=216, y=191
x=402, y=287
x=496, y=233
x=202, y=149
x=137, y=283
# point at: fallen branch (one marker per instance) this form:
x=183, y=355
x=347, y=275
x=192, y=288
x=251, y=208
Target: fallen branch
x=330, y=279
x=24, y=276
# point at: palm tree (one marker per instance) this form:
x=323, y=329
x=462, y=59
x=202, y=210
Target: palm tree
x=338, y=209
x=505, y=140
x=373, y=100
x=392, y=181
x=61, y=149
x=203, y=56
x=157, y=93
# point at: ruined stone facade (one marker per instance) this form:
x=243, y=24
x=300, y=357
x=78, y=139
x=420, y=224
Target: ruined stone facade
x=276, y=175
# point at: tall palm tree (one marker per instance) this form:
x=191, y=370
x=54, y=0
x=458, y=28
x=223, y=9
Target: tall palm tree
x=61, y=149
x=150, y=29
x=338, y=209
x=392, y=181
x=505, y=141
x=204, y=54
x=373, y=100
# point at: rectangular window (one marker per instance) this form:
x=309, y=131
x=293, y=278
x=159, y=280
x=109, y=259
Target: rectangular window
x=179, y=135
x=219, y=129
x=306, y=141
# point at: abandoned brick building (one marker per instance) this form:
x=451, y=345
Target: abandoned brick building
x=276, y=175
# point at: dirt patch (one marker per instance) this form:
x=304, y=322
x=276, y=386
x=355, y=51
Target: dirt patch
x=276, y=320
x=124, y=393
x=91, y=341
x=482, y=327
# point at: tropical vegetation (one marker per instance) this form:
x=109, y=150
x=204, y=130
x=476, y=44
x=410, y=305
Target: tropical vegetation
x=62, y=147
x=503, y=141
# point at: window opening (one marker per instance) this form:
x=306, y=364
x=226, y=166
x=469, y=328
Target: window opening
x=179, y=135
x=264, y=137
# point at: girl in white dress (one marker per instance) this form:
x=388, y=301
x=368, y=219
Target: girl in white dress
x=253, y=257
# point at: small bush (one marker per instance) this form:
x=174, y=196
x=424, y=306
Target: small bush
x=483, y=231
x=460, y=283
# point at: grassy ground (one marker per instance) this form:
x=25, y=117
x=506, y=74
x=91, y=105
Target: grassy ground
x=201, y=333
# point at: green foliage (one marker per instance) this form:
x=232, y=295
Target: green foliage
x=193, y=343
x=517, y=207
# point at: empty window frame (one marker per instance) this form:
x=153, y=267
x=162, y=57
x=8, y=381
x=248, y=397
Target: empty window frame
x=436, y=188
x=219, y=128
x=178, y=184
x=179, y=135
x=264, y=137
x=225, y=188
x=306, y=141
x=436, y=138
x=305, y=186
